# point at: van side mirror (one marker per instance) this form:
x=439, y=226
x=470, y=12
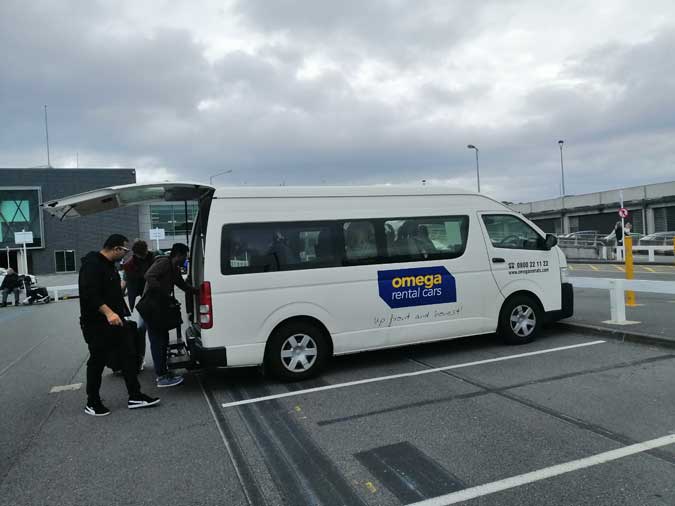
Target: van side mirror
x=550, y=241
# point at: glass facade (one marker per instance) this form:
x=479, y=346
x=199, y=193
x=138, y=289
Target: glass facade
x=20, y=211
x=171, y=217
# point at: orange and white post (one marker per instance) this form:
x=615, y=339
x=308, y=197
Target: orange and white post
x=628, y=246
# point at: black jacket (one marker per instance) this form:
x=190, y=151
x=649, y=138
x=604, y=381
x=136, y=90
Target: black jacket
x=10, y=282
x=99, y=284
x=163, y=275
x=135, y=269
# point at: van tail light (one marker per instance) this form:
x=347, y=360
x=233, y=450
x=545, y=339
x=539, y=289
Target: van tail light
x=205, y=306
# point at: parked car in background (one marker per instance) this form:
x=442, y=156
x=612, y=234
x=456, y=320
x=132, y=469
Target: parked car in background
x=659, y=239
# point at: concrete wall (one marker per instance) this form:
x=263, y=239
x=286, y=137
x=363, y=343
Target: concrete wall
x=82, y=234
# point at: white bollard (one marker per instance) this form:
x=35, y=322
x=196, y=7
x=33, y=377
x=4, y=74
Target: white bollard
x=603, y=253
x=651, y=254
x=617, y=302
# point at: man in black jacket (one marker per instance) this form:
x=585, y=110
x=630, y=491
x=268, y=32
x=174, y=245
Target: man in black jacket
x=11, y=284
x=102, y=309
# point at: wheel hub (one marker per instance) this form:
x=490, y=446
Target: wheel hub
x=298, y=353
x=523, y=320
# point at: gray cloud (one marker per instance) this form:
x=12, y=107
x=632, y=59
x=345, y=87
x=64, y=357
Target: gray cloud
x=151, y=99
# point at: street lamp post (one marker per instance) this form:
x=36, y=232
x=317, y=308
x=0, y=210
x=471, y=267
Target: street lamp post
x=562, y=168
x=219, y=174
x=562, y=197
x=471, y=146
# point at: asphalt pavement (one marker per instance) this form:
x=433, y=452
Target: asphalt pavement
x=381, y=428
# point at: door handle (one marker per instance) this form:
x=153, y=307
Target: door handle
x=498, y=260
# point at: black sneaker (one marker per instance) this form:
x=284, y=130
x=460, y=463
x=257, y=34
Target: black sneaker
x=142, y=401
x=96, y=409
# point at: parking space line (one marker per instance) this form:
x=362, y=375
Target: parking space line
x=649, y=269
x=65, y=388
x=545, y=473
x=405, y=375
x=593, y=267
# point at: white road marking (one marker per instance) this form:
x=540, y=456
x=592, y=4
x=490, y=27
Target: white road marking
x=65, y=388
x=404, y=375
x=547, y=472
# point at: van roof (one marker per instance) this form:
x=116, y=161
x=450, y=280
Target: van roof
x=337, y=191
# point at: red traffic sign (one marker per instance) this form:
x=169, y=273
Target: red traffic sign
x=623, y=212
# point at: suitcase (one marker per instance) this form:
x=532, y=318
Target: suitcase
x=134, y=344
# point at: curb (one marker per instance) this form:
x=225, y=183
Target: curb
x=620, y=335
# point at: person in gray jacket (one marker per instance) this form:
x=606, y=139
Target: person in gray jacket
x=160, y=279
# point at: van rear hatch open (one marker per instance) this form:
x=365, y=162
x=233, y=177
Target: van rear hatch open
x=114, y=197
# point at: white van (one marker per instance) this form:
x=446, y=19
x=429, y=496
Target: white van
x=289, y=277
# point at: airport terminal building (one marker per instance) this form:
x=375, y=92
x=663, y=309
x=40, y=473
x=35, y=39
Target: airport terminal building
x=651, y=209
x=57, y=246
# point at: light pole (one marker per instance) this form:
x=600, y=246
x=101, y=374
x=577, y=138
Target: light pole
x=562, y=197
x=562, y=168
x=471, y=146
x=219, y=174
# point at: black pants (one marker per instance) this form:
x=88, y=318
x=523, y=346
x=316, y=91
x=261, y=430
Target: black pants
x=108, y=343
x=133, y=293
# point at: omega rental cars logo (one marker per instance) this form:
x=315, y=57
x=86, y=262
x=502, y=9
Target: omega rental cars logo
x=417, y=287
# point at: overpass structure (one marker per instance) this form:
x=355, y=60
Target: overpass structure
x=651, y=209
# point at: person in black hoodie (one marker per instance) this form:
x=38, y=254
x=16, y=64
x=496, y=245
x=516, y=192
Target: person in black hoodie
x=102, y=309
x=11, y=284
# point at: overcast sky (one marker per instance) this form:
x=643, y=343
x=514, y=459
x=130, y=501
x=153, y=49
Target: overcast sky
x=348, y=92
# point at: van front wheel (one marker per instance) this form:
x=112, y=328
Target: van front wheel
x=297, y=351
x=520, y=320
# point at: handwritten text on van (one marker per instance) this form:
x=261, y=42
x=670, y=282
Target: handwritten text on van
x=417, y=287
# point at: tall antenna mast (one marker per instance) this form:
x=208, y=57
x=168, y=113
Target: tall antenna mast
x=49, y=163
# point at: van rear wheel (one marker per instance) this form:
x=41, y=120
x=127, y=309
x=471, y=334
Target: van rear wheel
x=520, y=320
x=297, y=351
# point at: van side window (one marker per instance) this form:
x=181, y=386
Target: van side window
x=265, y=247
x=508, y=231
x=417, y=239
x=360, y=242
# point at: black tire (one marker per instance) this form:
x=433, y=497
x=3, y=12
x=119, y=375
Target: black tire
x=520, y=319
x=292, y=367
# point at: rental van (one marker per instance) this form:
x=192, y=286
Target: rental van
x=290, y=276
